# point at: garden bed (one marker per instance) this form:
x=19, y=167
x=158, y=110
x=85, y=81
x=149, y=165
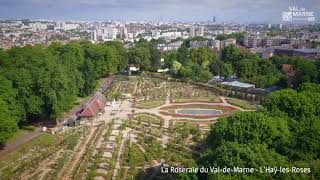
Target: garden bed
x=171, y=110
x=149, y=118
x=148, y=104
x=242, y=104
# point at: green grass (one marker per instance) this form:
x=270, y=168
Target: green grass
x=28, y=128
x=199, y=106
x=17, y=135
x=242, y=104
x=187, y=100
x=148, y=117
x=20, y=133
x=43, y=140
x=184, y=125
x=149, y=104
x=133, y=156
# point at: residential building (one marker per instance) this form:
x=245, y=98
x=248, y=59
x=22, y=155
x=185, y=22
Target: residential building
x=307, y=53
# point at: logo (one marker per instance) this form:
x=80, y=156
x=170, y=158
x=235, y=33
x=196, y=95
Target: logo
x=287, y=16
x=295, y=13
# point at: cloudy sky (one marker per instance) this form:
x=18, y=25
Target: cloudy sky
x=183, y=10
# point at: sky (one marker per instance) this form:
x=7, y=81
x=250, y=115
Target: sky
x=238, y=11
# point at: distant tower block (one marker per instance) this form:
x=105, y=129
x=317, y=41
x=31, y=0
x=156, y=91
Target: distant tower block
x=225, y=30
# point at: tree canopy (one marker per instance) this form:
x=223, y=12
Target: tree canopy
x=38, y=82
x=284, y=133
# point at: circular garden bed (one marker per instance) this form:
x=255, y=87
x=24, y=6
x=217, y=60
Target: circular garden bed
x=175, y=110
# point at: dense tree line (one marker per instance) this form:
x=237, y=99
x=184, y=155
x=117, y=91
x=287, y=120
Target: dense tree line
x=43, y=83
x=250, y=68
x=264, y=72
x=146, y=55
x=305, y=70
x=285, y=133
x=202, y=63
x=191, y=64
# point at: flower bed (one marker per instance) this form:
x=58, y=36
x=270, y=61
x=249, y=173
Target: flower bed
x=168, y=110
x=148, y=104
x=193, y=121
x=200, y=106
x=193, y=116
x=195, y=100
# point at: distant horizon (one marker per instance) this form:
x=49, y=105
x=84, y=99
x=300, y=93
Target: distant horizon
x=155, y=21
x=232, y=11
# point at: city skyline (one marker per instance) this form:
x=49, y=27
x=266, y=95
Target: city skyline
x=238, y=11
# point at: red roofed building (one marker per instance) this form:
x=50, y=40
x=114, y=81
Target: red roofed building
x=290, y=72
x=93, y=107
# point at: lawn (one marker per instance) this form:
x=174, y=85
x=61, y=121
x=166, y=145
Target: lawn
x=185, y=125
x=225, y=109
x=242, y=104
x=149, y=104
x=42, y=141
x=195, y=99
x=17, y=135
x=148, y=117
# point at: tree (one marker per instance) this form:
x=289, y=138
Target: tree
x=234, y=154
x=38, y=82
x=176, y=66
x=202, y=56
x=170, y=58
x=89, y=75
x=140, y=56
x=247, y=69
x=155, y=59
x=182, y=55
x=8, y=95
x=221, y=69
x=246, y=128
x=292, y=103
x=232, y=54
x=186, y=72
x=227, y=70
x=306, y=71
x=7, y=124
x=310, y=87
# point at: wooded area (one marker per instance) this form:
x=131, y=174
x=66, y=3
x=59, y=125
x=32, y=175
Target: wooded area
x=285, y=133
x=43, y=83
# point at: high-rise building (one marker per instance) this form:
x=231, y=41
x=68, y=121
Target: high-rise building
x=200, y=31
x=242, y=29
x=227, y=42
x=104, y=34
x=225, y=30
x=193, y=31
x=215, y=44
x=156, y=33
x=252, y=42
x=124, y=33
x=94, y=35
x=213, y=19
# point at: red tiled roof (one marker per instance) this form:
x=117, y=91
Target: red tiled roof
x=88, y=111
x=289, y=69
x=96, y=103
x=99, y=97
